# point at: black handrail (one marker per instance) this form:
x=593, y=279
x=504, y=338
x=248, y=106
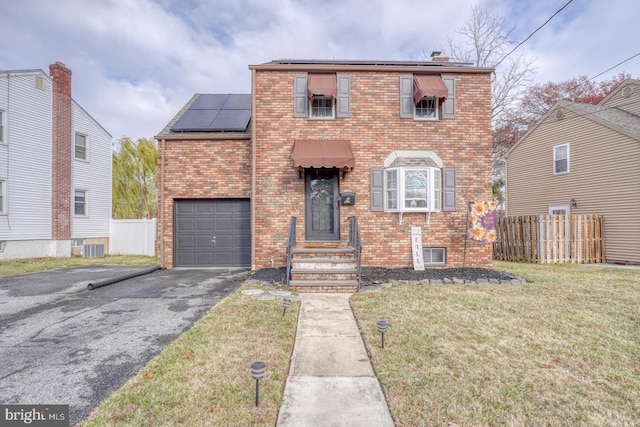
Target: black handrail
x=291, y=243
x=356, y=243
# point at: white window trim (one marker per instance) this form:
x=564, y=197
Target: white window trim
x=4, y=191
x=564, y=208
x=86, y=147
x=437, y=110
x=333, y=109
x=555, y=172
x=86, y=203
x=434, y=195
x=3, y=126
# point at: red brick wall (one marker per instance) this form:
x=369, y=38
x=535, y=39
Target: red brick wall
x=61, y=153
x=199, y=169
x=374, y=130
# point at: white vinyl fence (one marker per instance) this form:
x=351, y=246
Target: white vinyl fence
x=132, y=237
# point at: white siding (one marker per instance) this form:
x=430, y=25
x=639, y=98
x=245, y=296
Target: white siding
x=604, y=178
x=25, y=161
x=93, y=175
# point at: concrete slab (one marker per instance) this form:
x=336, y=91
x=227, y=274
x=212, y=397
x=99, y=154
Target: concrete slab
x=326, y=323
x=336, y=301
x=331, y=357
x=328, y=402
x=331, y=381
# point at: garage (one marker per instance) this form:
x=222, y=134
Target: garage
x=212, y=233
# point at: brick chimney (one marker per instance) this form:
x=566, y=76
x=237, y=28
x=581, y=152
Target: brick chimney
x=61, y=153
x=437, y=56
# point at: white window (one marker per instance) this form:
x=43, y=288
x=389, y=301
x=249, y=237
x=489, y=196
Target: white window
x=3, y=140
x=561, y=159
x=434, y=256
x=322, y=107
x=76, y=243
x=559, y=210
x=81, y=203
x=426, y=109
x=3, y=196
x=410, y=189
x=80, y=147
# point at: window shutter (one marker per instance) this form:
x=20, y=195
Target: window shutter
x=406, y=97
x=449, y=190
x=449, y=105
x=344, y=93
x=377, y=189
x=300, y=101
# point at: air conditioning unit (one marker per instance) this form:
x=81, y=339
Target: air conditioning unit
x=93, y=251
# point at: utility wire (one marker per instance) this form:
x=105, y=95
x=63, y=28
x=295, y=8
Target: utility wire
x=531, y=35
x=618, y=64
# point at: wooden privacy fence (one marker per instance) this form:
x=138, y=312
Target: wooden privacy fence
x=550, y=238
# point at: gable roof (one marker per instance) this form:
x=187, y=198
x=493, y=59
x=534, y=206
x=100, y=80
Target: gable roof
x=620, y=87
x=611, y=117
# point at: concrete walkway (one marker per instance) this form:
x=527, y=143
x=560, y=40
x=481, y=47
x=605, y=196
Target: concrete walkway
x=331, y=381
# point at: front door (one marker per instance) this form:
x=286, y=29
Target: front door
x=322, y=211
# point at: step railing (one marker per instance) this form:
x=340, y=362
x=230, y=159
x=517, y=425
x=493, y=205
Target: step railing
x=356, y=243
x=291, y=243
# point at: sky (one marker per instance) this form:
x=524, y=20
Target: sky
x=136, y=63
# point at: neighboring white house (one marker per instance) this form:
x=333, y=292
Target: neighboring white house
x=55, y=167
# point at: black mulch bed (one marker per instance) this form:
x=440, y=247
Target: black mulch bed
x=377, y=275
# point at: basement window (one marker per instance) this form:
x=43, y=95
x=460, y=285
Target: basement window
x=434, y=256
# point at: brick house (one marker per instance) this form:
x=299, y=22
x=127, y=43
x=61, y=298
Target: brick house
x=397, y=144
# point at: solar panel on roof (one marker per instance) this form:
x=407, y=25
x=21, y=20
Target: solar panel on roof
x=209, y=102
x=216, y=113
x=231, y=120
x=238, y=102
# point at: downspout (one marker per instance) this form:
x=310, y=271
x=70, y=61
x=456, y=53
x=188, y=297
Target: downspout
x=253, y=170
x=162, y=206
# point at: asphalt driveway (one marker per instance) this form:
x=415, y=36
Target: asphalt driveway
x=61, y=343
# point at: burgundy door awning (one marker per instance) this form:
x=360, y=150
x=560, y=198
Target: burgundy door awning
x=317, y=153
x=428, y=86
x=322, y=84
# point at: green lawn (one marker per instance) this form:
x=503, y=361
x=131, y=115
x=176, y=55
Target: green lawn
x=564, y=349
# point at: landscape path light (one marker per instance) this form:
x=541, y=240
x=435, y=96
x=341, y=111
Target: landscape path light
x=382, y=328
x=285, y=303
x=257, y=372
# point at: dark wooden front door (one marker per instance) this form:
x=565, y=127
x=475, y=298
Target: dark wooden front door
x=322, y=211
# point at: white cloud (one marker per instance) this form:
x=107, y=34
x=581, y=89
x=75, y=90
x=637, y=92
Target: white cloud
x=136, y=62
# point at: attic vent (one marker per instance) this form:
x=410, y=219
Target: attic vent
x=559, y=114
x=39, y=82
x=627, y=91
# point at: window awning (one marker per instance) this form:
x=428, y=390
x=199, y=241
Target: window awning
x=322, y=84
x=317, y=153
x=428, y=86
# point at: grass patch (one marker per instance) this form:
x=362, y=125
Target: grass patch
x=560, y=350
x=32, y=265
x=203, y=378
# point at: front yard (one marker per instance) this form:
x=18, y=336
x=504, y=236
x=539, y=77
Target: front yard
x=563, y=349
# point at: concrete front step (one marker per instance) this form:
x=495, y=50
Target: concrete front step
x=324, y=285
x=323, y=263
x=324, y=274
x=333, y=253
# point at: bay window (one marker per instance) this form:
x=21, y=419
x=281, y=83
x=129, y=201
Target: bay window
x=413, y=189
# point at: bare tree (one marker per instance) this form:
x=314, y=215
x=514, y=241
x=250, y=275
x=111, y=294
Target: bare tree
x=487, y=42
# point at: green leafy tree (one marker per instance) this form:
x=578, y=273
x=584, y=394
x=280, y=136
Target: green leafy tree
x=134, y=189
